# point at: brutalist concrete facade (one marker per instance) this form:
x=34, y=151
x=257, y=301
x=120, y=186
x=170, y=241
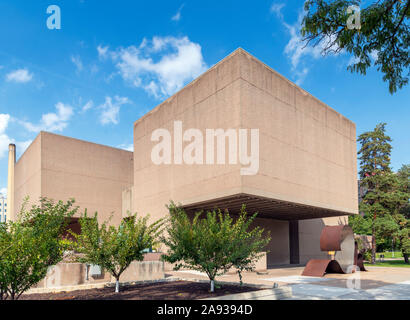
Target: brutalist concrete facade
x=61, y=168
x=307, y=166
x=306, y=177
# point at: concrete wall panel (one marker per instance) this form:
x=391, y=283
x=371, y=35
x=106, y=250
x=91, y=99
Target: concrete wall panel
x=27, y=179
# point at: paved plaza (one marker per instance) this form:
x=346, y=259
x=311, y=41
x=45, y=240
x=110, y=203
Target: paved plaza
x=377, y=283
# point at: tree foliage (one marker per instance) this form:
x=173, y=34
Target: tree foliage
x=384, y=32
x=402, y=214
x=404, y=176
x=213, y=244
x=385, y=193
x=32, y=244
x=114, y=248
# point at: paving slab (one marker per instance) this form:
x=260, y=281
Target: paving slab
x=377, y=283
x=297, y=279
x=324, y=292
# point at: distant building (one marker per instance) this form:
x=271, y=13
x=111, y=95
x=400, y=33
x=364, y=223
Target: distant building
x=3, y=209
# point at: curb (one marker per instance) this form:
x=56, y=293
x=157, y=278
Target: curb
x=93, y=286
x=267, y=294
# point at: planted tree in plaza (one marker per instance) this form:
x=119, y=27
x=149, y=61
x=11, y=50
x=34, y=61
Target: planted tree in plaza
x=213, y=243
x=384, y=195
x=32, y=244
x=114, y=248
x=381, y=36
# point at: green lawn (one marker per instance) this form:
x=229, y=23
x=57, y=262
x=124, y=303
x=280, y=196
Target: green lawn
x=392, y=263
x=388, y=254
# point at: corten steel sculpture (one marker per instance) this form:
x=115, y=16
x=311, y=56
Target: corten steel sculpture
x=340, y=240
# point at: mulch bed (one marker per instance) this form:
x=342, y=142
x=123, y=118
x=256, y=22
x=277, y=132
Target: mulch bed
x=175, y=290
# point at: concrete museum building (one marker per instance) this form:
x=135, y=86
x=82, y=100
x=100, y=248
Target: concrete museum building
x=238, y=134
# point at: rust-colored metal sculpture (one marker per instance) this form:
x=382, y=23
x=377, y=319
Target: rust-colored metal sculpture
x=340, y=241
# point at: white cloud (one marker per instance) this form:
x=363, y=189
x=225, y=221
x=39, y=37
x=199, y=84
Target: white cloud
x=276, y=9
x=374, y=55
x=111, y=109
x=87, y=106
x=298, y=52
x=102, y=52
x=76, y=60
x=301, y=75
x=4, y=144
x=94, y=68
x=3, y=192
x=128, y=147
x=20, y=76
x=177, y=16
x=4, y=121
x=56, y=121
x=5, y=140
x=178, y=60
x=296, y=48
x=21, y=146
x=353, y=60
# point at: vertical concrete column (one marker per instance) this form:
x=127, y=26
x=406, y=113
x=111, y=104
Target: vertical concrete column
x=10, y=182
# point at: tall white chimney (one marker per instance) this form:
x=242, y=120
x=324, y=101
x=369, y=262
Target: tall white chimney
x=10, y=181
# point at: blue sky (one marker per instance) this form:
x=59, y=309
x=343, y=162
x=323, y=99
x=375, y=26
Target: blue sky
x=112, y=61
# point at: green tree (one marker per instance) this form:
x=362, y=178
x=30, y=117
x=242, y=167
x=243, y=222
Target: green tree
x=384, y=30
x=383, y=194
x=360, y=225
x=32, y=244
x=114, y=248
x=213, y=244
x=404, y=176
x=402, y=213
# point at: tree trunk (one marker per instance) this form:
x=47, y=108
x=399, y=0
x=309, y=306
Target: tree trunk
x=373, y=240
x=117, y=285
x=212, y=285
x=406, y=258
x=373, y=247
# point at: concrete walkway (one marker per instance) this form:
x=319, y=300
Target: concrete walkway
x=397, y=291
x=378, y=283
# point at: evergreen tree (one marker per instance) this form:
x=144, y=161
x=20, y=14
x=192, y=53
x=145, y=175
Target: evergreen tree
x=376, y=177
x=402, y=213
x=385, y=202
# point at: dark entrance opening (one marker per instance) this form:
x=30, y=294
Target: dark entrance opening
x=74, y=226
x=294, y=242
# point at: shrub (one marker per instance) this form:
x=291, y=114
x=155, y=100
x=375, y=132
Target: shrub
x=213, y=244
x=31, y=244
x=114, y=248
